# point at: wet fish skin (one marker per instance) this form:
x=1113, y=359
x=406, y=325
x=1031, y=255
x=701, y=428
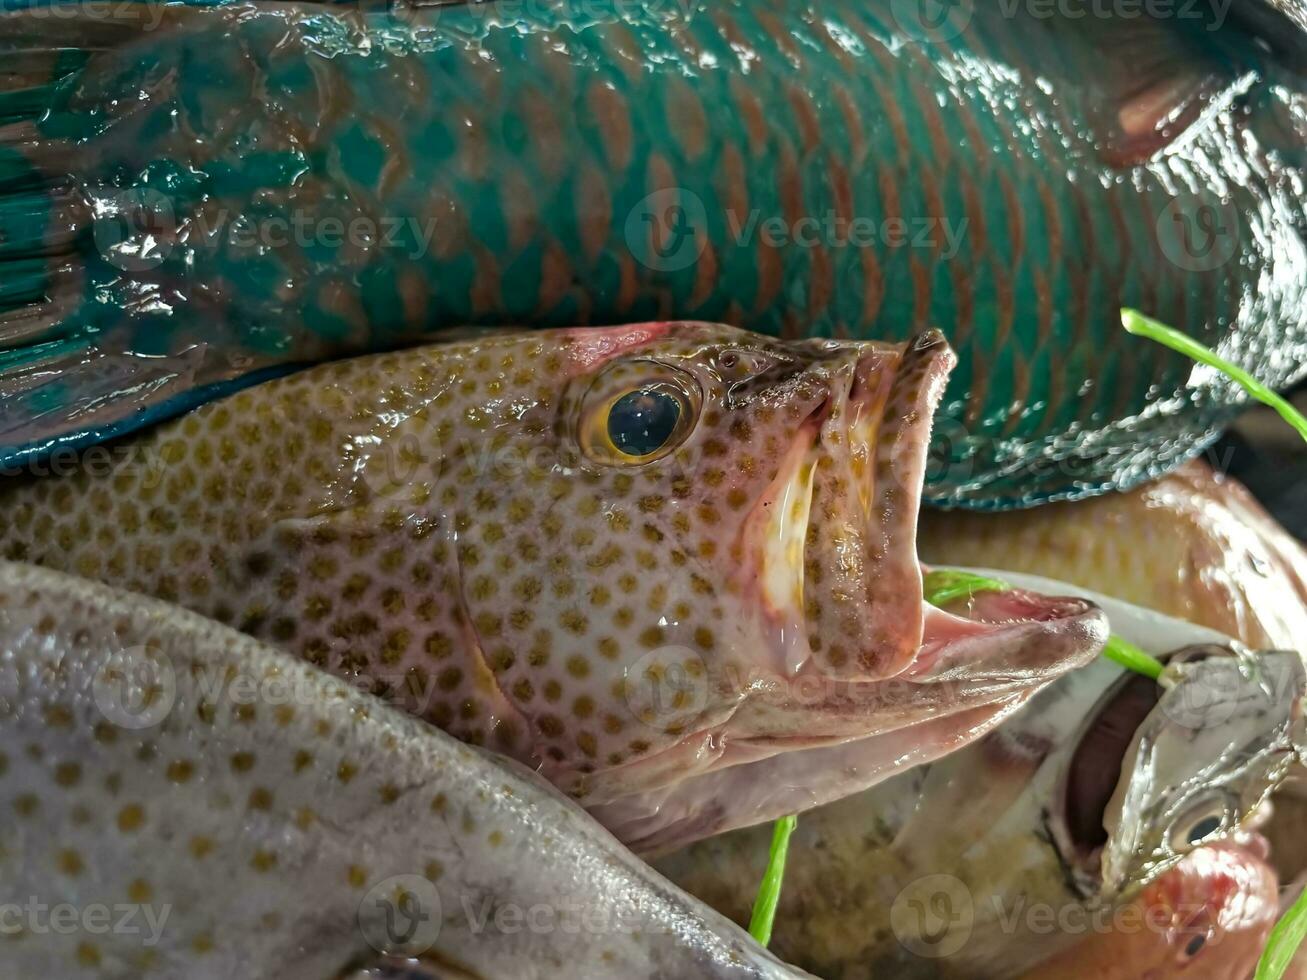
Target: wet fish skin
x=1206, y=919
x=255, y=803
x=1195, y=545
x=452, y=527
x=982, y=842
x=587, y=162
x=1228, y=729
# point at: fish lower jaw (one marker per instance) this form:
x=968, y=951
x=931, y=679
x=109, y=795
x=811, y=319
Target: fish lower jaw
x=761, y=778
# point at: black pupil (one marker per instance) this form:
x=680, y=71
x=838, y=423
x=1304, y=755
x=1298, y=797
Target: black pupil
x=1203, y=829
x=642, y=421
x=1195, y=945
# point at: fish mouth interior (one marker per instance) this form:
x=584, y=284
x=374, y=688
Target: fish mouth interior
x=1095, y=767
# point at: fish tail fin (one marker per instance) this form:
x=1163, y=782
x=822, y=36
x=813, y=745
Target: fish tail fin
x=41, y=214
x=63, y=380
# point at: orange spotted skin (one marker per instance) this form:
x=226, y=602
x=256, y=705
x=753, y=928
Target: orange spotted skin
x=452, y=528
x=1206, y=919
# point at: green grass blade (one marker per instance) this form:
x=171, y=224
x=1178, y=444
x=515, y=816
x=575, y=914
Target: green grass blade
x=1142, y=326
x=769, y=892
x=1284, y=941
x=1130, y=656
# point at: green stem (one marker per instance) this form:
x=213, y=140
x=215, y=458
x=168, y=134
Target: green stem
x=1284, y=941
x=769, y=892
x=1143, y=326
x=945, y=585
x=1130, y=656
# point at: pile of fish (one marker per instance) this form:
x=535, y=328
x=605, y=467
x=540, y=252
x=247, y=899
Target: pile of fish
x=463, y=469
x=138, y=757
x=995, y=859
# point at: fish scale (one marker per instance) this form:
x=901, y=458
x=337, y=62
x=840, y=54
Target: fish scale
x=602, y=163
x=259, y=819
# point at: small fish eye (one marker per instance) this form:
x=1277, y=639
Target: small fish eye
x=1204, y=829
x=641, y=422
x=1200, y=823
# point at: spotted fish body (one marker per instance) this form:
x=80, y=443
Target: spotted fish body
x=694, y=639
x=192, y=198
x=262, y=820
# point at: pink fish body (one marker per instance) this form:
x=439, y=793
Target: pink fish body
x=1205, y=919
x=1194, y=545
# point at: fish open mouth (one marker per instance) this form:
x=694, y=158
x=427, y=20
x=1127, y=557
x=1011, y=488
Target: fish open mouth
x=811, y=744
x=1094, y=772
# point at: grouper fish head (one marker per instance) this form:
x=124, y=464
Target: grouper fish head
x=671, y=565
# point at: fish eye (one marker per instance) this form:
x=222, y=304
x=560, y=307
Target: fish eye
x=641, y=422
x=638, y=413
x=1200, y=823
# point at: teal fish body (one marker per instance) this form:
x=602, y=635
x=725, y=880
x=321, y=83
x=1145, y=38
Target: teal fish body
x=192, y=198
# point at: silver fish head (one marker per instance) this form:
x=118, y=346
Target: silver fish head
x=1213, y=740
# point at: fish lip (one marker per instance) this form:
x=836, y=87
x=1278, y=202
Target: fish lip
x=886, y=400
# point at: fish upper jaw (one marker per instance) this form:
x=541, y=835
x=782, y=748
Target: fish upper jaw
x=833, y=539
